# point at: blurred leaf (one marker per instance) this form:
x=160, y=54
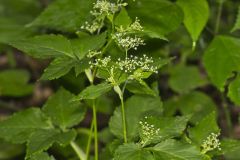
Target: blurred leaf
x=237, y=23
x=19, y=127
x=230, y=149
x=135, y=107
x=64, y=15
x=42, y=156
x=94, y=91
x=10, y=151
x=64, y=112
x=132, y=151
x=10, y=30
x=196, y=14
x=204, y=128
x=222, y=58
x=190, y=75
x=45, y=46
x=41, y=140
x=172, y=149
x=58, y=68
x=14, y=83
x=160, y=17
x=234, y=90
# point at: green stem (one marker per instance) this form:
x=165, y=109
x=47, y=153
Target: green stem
x=123, y=120
x=89, y=140
x=78, y=151
x=95, y=130
x=219, y=15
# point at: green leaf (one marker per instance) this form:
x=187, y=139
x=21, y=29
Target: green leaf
x=169, y=127
x=94, y=91
x=135, y=108
x=11, y=30
x=123, y=19
x=58, y=68
x=42, y=156
x=140, y=88
x=9, y=150
x=159, y=17
x=65, y=15
x=204, y=128
x=64, y=112
x=237, y=23
x=81, y=66
x=230, y=149
x=19, y=127
x=42, y=140
x=234, y=90
x=132, y=151
x=195, y=103
x=222, y=58
x=45, y=46
x=196, y=14
x=15, y=83
x=190, y=75
x=86, y=43
x=172, y=149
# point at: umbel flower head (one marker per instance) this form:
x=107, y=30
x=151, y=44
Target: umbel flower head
x=149, y=131
x=212, y=142
x=125, y=40
x=101, y=9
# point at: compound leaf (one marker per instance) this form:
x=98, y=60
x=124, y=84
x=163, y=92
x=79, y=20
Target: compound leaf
x=63, y=111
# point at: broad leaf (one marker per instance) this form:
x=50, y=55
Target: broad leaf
x=196, y=14
x=140, y=88
x=204, y=128
x=94, y=91
x=190, y=75
x=230, y=149
x=58, y=68
x=172, y=149
x=159, y=17
x=43, y=139
x=123, y=19
x=86, y=43
x=64, y=112
x=42, y=156
x=237, y=23
x=19, y=127
x=169, y=127
x=136, y=107
x=132, y=151
x=222, y=58
x=9, y=150
x=45, y=46
x=15, y=83
x=65, y=15
x=198, y=104
x=234, y=90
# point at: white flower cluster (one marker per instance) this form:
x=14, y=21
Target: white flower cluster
x=92, y=54
x=101, y=9
x=212, y=142
x=126, y=41
x=100, y=62
x=133, y=63
x=93, y=27
x=149, y=131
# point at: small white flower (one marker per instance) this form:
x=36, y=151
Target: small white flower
x=212, y=142
x=91, y=27
x=149, y=131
